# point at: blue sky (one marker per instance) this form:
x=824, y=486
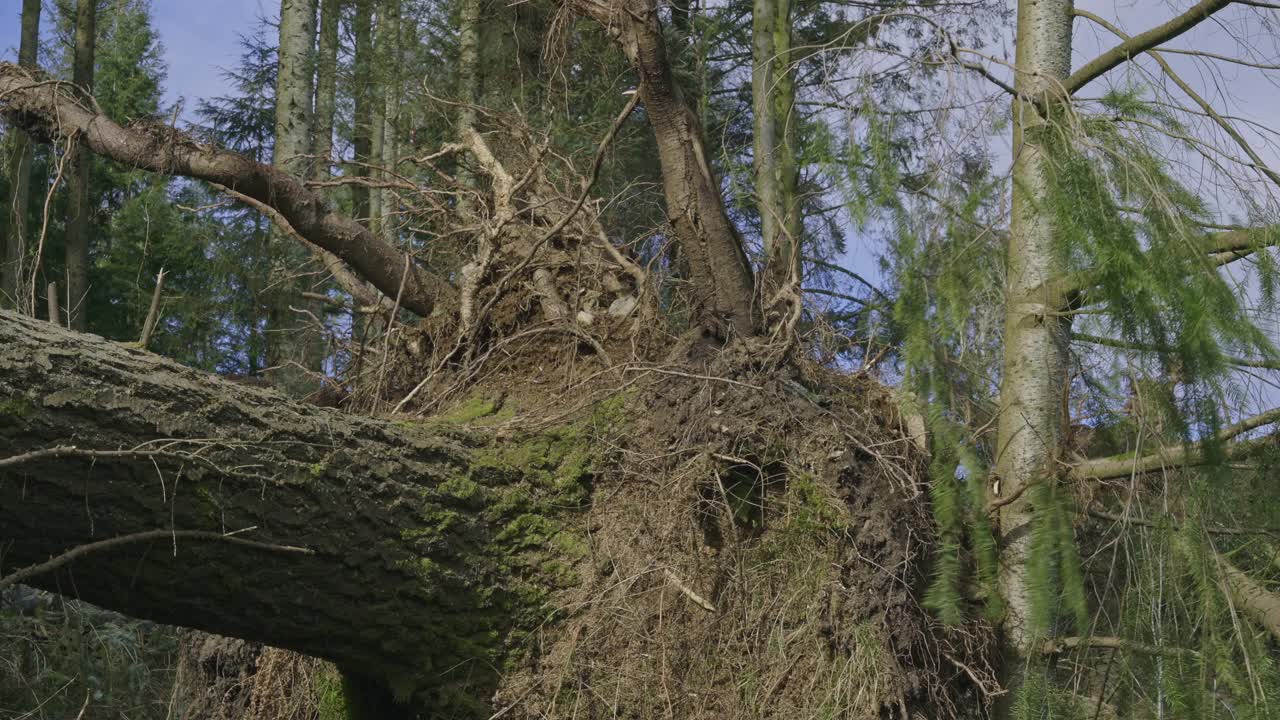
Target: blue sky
x=199, y=38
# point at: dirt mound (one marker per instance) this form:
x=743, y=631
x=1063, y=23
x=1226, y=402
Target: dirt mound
x=754, y=550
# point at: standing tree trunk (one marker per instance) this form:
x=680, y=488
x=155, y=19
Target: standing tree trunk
x=15, y=249
x=294, y=86
x=326, y=87
x=78, y=211
x=468, y=88
x=723, y=287
x=1035, y=334
x=392, y=51
x=362, y=122
x=377, y=133
x=777, y=171
x=291, y=341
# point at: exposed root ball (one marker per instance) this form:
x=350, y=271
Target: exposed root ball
x=754, y=552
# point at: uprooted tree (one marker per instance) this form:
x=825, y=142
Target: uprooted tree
x=570, y=489
x=494, y=541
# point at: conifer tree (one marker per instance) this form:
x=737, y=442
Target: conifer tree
x=293, y=344
x=79, y=211
x=14, y=258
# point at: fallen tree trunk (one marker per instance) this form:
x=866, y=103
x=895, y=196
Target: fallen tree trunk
x=473, y=575
x=371, y=544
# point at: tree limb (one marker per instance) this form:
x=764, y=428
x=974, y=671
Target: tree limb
x=1258, y=602
x=1141, y=43
x=1141, y=347
x=723, y=285
x=1191, y=455
x=1221, y=248
x=47, y=106
x=1054, y=646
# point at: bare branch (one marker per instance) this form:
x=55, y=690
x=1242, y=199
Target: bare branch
x=1141, y=347
x=1255, y=160
x=339, y=270
x=1143, y=522
x=1054, y=646
x=1141, y=43
x=174, y=535
x=153, y=312
x=1191, y=455
x=160, y=148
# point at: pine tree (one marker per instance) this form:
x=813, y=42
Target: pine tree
x=14, y=259
x=79, y=210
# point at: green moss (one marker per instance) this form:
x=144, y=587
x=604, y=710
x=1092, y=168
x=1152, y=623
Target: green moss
x=612, y=411
x=464, y=489
x=470, y=410
x=15, y=411
x=527, y=530
x=17, y=407
x=494, y=542
x=810, y=507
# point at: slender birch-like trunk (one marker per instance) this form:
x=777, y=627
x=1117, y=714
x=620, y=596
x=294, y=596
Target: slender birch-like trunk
x=291, y=348
x=1035, y=334
x=777, y=173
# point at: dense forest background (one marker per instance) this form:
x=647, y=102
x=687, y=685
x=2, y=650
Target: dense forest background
x=743, y=359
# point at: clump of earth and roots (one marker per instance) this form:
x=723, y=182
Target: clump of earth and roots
x=740, y=531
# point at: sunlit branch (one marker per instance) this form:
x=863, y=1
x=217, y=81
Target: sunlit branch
x=1257, y=162
x=1140, y=43
x=1190, y=455
x=1143, y=347
x=1058, y=645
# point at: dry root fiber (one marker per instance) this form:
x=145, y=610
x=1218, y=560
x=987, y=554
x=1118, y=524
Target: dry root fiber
x=755, y=550
x=223, y=678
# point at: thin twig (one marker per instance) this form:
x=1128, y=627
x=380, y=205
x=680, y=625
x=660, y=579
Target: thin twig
x=82, y=550
x=153, y=313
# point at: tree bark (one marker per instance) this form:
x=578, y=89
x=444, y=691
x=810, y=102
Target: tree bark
x=722, y=288
x=392, y=56
x=296, y=69
x=468, y=90
x=23, y=97
x=369, y=542
x=15, y=250
x=774, y=142
x=1252, y=596
x=362, y=120
x=1035, y=335
x=78, y=211
x=326, y=86
x=295, y=348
